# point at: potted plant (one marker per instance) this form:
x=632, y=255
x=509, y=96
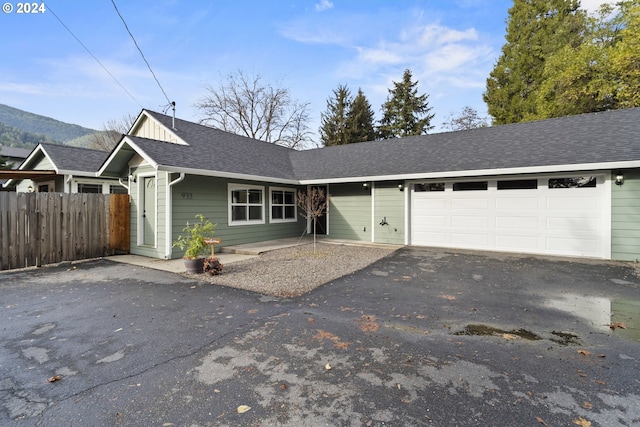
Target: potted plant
x=192, y=242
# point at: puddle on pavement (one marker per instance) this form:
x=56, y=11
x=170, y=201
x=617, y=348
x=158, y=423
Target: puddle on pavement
x=484, y=330
x=614, y=315
x=565, y=338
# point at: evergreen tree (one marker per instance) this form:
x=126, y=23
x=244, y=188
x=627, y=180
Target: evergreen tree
x=405, y=113
x=360, y=119
x=536, y=30
x=334, y=128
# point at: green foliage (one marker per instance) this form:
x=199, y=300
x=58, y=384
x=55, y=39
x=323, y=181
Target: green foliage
x=347, y=119
x=14, y=137
x=33, y=123
x=405, y=113
x=625, y=56
x=194, y=237
x=334, y=126
x=360, y=119
x=536, y=30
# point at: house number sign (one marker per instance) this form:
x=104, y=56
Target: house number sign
x=187, y=196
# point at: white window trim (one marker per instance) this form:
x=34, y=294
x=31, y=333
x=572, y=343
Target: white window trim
x=234, y=187
x=295, y=205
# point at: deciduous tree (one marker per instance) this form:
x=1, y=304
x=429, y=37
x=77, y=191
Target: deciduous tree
x=467, y=119
x=246, y=106
x=313, y=204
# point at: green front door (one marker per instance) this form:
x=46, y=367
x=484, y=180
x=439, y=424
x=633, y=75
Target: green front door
x=149, y=213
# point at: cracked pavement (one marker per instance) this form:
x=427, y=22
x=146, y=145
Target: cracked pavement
x=422, y=337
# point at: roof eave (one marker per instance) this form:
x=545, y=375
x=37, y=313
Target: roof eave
x=230, y=175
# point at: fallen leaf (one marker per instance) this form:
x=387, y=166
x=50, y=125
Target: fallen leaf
x=449, y=297
x=587, y=405
x=582, y=422
x=327, y=367
x=243, y=408
x=585, y=352
x=283, y=387
x=252, y=311
x=54, y=378
x=510, y=337
x=615, y=325
x=541, y=421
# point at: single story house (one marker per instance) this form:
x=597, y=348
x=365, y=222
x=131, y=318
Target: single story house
x=567, y=186
x=63, y=169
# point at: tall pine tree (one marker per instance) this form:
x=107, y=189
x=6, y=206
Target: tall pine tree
x=360, y=119
x=536, y=29
x=334, y=129
x=405, y=113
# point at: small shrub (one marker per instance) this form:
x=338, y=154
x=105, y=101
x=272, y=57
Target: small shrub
x=212, y=266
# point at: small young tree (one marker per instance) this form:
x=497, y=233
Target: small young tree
x=313, y=204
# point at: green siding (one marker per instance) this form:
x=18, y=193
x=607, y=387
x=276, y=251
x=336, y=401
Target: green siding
x=350, y=212
x=389, y=203
x=208, y=196
x=625, y=217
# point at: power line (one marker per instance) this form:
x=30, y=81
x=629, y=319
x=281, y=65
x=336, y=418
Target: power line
x=92, y=55
x=140, y=50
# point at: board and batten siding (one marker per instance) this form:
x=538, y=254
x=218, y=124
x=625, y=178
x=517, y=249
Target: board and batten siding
x=350, y=212
x=209, y=196
x=388, y=204
x=151, y=129
x=625, y=217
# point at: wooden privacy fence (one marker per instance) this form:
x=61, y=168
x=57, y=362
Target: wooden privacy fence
x=45, y=228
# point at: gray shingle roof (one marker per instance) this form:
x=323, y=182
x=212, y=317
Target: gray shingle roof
x=594, y=139
x=605, y=137
x=76, y=159
x=215, y=150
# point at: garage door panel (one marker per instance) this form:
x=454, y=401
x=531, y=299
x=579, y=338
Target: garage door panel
x=469, y=240
x=573, y=225
x=469, y=221
x=520, y=243
x=517, y=222
x=559, y=221
x=465, y=204
x=517, y=203
x=584, y=247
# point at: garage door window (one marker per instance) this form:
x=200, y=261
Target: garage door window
x=432, y=186
x=575, y=182
x=470, y=186
x=518, y=184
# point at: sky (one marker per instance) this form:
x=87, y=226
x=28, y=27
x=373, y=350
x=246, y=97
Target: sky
x=74, y=61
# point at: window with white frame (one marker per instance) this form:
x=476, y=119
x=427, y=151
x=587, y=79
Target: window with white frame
x=246, y=205
x=283, y=205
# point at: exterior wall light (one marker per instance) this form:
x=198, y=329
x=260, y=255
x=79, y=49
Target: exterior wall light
x=401, y=186
x=619, y=178
x=132, y=178
x=365, y=184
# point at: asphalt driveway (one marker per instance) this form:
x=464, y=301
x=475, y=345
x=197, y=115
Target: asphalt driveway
x=423, y=337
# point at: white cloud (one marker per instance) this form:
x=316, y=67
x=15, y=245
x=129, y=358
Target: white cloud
x=592, y=6
x=324, y=5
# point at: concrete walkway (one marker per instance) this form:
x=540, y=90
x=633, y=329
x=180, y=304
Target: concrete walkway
x=227, y=255
x=235, y=253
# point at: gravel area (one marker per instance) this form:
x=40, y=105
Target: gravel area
x=296, y=270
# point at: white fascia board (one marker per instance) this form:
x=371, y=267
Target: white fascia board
x=131, y=144
x=231, y=175
x=23, y=166
x=481, y=172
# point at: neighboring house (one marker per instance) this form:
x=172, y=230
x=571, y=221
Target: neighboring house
x=566, y=186
x=14, y=156
x=72, y=170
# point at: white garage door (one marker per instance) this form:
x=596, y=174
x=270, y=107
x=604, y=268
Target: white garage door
x=559, y=215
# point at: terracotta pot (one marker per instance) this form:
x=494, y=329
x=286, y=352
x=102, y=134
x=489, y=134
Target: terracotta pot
x=195, y=266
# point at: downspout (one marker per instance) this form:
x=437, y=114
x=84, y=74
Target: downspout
x=124, y=185
x=169, y=220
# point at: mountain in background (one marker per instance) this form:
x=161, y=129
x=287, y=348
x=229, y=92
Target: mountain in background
x=20, y=128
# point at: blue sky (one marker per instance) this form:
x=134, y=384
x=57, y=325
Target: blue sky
x=307, y=46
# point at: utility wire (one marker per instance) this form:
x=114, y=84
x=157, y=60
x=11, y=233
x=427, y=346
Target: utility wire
x=92, y=55
x=140, y=50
